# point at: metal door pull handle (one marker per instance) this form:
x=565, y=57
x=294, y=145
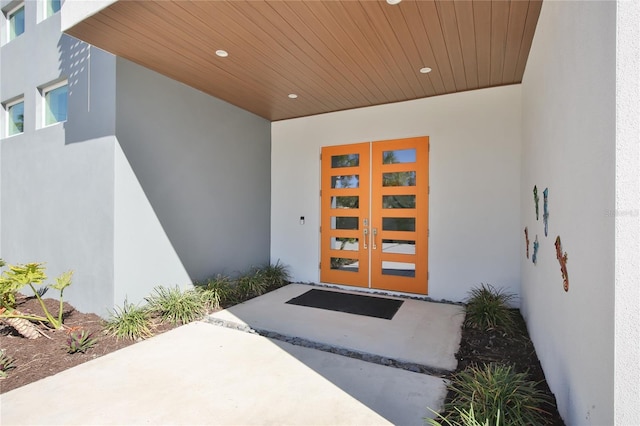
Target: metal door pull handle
x=364, y=241
x=373, y=244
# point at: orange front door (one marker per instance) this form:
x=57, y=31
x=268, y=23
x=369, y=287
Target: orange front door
x=375, y=202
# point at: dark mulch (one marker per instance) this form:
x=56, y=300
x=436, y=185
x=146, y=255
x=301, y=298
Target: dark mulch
x=483, y=347
x=45, y=356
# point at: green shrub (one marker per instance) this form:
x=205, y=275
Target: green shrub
x=488, y=309
x=251, y=284
x=6, y=364
x=80, y=341
x=467, y=417
x=496, y=393
x=132, y=322
x=275, y=275
x=175, y=305
x=217, y=292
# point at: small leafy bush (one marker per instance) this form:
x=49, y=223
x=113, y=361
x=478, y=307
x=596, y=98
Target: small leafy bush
x=175, y=305
x=217, y=292
x=497, y=394
x=131, y=321
x=488, y=309
x=80, y=341
x=30, y=274
x=6, y=364
x=275, y=275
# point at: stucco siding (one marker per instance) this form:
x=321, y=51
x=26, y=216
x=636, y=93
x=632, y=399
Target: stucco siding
x=474, y=173
x=192, y=184
x=569, y=148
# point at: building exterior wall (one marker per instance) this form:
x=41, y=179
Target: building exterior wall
x=57, y=181
x=569, y=135
x=474, y=174
x=192, y=184
x=627, y=233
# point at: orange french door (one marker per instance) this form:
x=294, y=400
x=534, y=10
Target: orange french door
x=375, y=203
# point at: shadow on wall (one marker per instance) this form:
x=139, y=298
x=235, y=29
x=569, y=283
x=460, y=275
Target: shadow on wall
x=203, y=169
x=90, y=73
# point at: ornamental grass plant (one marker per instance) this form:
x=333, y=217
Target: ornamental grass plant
x=488, y=309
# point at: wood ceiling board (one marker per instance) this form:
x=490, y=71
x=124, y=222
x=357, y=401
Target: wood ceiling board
x=449, y=26
x=499, y=24
x=533, y=13
x=335, y=55
x=517, y=18
x=416, y=26
x=368, y=37
x=466, y=28
x=482, y=24
x=429, y=15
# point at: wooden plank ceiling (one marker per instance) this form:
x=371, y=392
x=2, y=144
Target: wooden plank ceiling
x=335, y=55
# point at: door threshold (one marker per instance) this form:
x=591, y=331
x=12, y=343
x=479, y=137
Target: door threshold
x=380, y=292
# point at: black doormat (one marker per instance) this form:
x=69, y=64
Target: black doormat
x=369, y=306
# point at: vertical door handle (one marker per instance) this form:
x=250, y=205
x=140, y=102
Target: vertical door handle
x=375, y=232
x=364, y=241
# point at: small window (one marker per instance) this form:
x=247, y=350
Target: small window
x=15, y=18
x=55, y=103
x=51, y=7
x=15, y=117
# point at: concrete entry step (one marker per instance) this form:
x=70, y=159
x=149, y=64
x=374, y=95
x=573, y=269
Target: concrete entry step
x=422, y=336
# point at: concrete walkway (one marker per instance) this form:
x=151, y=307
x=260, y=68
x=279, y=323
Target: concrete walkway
x=202, y=374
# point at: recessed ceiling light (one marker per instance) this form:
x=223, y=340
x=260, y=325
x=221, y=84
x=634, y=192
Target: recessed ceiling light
x=222, y=53
x=393, y=1
x=425, y=70
x=292, y=96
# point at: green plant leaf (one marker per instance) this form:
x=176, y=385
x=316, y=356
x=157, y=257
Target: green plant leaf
x=63, y=281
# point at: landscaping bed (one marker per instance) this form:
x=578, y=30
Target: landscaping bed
x=482, y=347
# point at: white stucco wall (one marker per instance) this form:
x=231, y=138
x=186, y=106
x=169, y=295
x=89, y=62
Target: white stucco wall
x=568, y=112
x=627, y=221
x=192, y=185
x=57, y=181
x=474, y=176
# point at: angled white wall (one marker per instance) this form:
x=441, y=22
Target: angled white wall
x=192, y=184
x=474, y=174
x=569, y=134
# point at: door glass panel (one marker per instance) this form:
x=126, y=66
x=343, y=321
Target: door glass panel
x=339, y=222
x=348, y=181
x=352, y=202
x=399, y=246
x=347, y=160
x=399, y=179
x=350, y=244
x=348, y=265
x=398, y=201
x=399, y=156
x=398, y=224
x=399, y=269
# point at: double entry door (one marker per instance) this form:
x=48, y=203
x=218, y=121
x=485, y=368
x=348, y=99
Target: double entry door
x=375, y=203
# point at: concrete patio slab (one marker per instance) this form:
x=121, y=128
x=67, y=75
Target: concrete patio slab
x=421, y=332
x=205, y=374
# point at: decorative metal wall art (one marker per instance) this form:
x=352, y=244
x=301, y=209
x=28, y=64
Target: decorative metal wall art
x=534, y=257
x=562, y=258
x=545, y=214
x=536, y=199
x=526, y=238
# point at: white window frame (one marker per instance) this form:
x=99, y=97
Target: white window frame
x=6, y=105
x=43, y=101
x=43, y=9
x=12, y=12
